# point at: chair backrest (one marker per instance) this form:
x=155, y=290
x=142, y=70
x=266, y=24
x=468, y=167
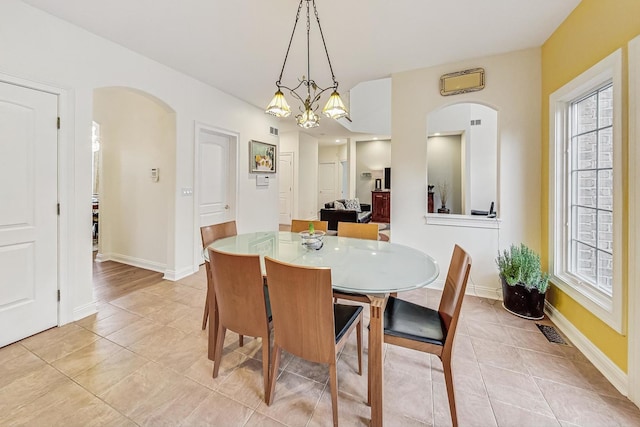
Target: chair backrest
x=302, y=307
x=453, y=293
x=211, y=233
x=357, y=230
x=237, y=280
x=298, y=225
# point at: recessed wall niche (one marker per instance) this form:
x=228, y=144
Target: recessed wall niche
x=462, y=154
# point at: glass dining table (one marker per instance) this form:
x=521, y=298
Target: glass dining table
x=369, y=267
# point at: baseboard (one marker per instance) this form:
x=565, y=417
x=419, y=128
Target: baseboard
x=473, y=289
x=175, y=275
x=610, y=370
x=138, y=262
x=84, y=311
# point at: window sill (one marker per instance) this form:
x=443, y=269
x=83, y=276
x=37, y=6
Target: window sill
x=455, y=220
x=599, y=305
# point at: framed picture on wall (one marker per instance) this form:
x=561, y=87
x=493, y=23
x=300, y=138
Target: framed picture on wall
x=262, y=157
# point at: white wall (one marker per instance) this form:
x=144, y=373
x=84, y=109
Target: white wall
x=308, y=177
x=41, y=48
x=483, y=165
x=513, y=89
x=289, y=144
x=137, y=134
x=370, y=107
x=305, y=172
x=371, y=156
x=445, y=171
x=334, y=154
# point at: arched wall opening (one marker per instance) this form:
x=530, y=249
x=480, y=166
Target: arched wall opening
x=136, y=176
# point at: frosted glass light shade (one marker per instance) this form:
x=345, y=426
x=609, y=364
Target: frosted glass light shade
x=335, y=108
x=308, y=119
x=278, y=106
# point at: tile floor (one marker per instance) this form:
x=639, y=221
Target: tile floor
x=142, y=361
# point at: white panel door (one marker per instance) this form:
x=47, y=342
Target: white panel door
x=326, y=183
x=285, y=180
x=213, y=178
x=28, y=212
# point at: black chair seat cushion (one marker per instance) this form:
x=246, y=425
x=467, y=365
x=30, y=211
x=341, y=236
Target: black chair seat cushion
x=344, y=316
x=404, y=319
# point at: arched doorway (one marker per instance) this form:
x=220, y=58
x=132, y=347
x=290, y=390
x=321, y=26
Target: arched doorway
x=135, y=179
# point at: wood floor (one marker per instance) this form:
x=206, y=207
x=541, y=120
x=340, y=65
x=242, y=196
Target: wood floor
x=112, y=280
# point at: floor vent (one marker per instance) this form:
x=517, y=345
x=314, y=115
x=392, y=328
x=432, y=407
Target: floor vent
x=551, y=334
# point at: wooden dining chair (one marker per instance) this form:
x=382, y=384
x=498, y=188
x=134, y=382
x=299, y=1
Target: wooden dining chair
x=209, y=234
x=420, y=328
x=306, y=323
x=298, y=225
x=357, y=230
x=243, y=304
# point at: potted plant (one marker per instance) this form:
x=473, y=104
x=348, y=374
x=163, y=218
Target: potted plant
x=524, y=285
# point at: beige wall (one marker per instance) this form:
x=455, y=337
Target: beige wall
x=513, y=89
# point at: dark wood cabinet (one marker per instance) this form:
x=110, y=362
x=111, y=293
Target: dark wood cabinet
x=381, y=206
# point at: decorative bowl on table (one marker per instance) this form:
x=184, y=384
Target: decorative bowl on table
x=312, y=240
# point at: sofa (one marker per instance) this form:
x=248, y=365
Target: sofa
x=333, y=215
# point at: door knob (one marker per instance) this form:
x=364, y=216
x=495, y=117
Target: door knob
x=226, y=206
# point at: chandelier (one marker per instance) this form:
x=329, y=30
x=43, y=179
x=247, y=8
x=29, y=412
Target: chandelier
x=307, y=118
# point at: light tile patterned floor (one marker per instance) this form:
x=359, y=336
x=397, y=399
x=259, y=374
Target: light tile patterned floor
x=142, y=360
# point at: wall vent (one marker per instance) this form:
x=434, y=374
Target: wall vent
x=273, y=131
x=476, y=122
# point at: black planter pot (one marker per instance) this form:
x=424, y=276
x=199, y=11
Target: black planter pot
x=522, y=302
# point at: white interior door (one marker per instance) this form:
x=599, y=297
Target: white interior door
x=326, y=183
x=28, y=213
x=285, y=182
x=213, y=176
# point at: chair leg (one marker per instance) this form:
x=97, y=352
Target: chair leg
x=333, y=381
x=266, y=356
x=273, y=375
x=240, y=340
x=205, y=317
x=359, y=340
x=219, y=344
x=448, y=378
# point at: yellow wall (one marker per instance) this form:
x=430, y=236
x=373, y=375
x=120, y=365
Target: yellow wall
x=594, y=29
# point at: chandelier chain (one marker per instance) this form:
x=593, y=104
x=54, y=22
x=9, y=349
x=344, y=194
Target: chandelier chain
x=334, y=107
x=295, y=24
x=326, y=51
x=308, y=52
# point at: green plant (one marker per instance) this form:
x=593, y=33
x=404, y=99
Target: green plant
x=521, y=265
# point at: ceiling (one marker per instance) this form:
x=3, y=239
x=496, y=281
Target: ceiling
x=238, y=46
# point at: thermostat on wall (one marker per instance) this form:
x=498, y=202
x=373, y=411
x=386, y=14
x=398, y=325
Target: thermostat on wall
x=155, y=174
x=262, y=181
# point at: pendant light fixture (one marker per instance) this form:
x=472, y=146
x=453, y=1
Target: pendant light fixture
x=308, y=118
